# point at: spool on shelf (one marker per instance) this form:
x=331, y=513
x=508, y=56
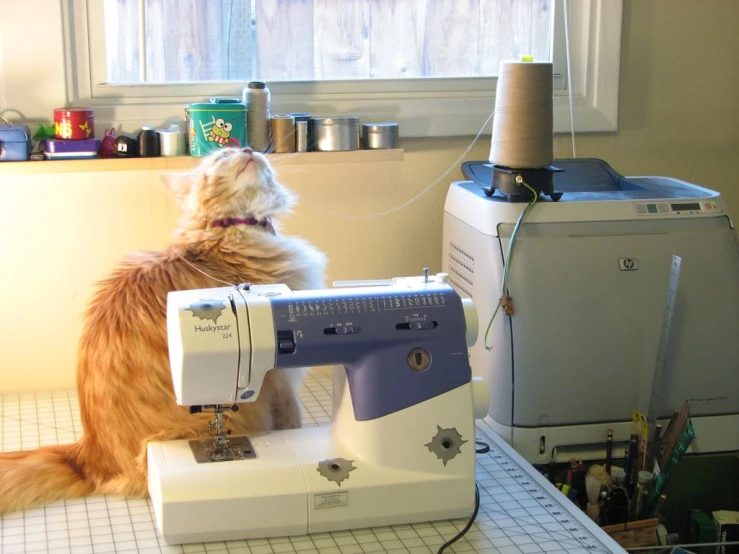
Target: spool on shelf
x=521, y=146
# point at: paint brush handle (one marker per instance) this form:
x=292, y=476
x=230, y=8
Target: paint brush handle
x=609, y=451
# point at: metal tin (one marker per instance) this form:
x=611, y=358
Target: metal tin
x=308, y=119
x=212, y=126
x=15, y=143
x=333, y=134
x=55, y=149
x=301, y=136
x=172, y=141
x=283, y=133
x=74, y=123
x=377, y=136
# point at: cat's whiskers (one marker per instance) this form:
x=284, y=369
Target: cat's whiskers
x=206, y=274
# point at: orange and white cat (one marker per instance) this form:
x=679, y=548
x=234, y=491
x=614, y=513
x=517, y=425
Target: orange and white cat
x=123, y=375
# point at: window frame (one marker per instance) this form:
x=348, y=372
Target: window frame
x=424, y=108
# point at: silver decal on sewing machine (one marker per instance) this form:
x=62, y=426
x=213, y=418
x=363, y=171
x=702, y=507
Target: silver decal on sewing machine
x=331, y=500
x=207, y=309
x=446, y=444
x=336, y=469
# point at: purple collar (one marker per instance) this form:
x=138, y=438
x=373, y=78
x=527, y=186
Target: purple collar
x=230, y=221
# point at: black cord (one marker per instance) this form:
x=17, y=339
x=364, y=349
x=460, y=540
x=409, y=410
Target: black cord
x=466, y=527
x=484, y=448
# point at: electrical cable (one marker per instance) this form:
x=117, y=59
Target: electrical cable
x=466, y=528
x=484, y=449
x=509, y=258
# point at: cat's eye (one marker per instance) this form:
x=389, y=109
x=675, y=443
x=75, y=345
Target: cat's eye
x=219, y=124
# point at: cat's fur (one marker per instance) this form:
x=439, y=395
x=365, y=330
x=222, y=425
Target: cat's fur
x=123, y=374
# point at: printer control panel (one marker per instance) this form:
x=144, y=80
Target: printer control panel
x=682, y=207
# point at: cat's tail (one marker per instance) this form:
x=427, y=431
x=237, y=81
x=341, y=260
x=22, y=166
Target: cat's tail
x=32, y=478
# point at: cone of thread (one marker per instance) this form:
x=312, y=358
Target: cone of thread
x=522, y=124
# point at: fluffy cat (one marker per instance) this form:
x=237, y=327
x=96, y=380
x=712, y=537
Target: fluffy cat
x=123, y=376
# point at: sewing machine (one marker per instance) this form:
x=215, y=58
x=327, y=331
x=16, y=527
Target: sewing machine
x=401, y=446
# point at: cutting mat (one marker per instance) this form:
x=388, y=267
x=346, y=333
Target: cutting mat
x=520, y=511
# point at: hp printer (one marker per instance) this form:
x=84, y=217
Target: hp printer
x=588, y=281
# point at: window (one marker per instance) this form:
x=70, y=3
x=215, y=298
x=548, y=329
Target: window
x=320, y=40
x=428, y=64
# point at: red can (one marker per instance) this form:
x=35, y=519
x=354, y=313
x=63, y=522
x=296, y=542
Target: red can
x=74, y=123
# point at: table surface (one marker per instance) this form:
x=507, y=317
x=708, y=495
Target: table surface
x=520, y=511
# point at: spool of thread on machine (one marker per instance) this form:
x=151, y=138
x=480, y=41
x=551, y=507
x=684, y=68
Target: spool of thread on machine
x=522, y=125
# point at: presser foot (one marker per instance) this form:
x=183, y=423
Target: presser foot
x=220, y=448
x=235, y=448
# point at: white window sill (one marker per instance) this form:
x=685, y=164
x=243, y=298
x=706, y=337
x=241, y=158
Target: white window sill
x=181, y=163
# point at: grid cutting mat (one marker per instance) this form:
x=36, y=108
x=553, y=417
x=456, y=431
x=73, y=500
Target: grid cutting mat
x=520, y=511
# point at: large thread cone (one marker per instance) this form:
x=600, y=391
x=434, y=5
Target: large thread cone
x=522, y=124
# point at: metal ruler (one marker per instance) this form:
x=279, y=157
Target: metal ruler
x=659, y=368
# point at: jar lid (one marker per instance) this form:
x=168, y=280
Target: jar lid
x=380, y=127
x=219, y=100
x=256, y=84
x=68, y=112
x=300, y=116
x=350, y=120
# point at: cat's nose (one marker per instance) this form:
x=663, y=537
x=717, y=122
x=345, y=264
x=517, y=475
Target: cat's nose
x=247, y=150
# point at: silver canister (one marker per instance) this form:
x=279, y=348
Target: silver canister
x=333, y=134
x=376, y=136
x=301, y=136
x=283, y=134
x=173, y=141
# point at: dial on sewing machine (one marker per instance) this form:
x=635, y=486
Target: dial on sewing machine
x=401, y=446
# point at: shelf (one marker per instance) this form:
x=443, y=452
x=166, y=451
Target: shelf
x=187, y=162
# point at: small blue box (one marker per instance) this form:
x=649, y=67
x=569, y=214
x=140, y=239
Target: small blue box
x=15, y=143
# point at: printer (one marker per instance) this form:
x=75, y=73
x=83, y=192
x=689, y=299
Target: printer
x=589, y=281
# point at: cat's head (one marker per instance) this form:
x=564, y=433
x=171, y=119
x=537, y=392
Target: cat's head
x=231, y=182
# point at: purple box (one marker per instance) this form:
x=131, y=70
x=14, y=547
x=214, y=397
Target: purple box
x=55, y=149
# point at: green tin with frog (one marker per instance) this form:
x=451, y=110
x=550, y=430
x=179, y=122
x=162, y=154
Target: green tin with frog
x=215, y=125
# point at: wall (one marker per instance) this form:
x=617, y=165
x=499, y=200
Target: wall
x=61, y=232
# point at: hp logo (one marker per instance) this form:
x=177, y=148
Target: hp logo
x=627, y=264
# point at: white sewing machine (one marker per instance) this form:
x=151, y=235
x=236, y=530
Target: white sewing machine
x=400, y=449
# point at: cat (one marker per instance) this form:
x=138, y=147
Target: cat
x=124, y=384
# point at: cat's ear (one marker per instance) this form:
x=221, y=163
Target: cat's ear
x=178, y=183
